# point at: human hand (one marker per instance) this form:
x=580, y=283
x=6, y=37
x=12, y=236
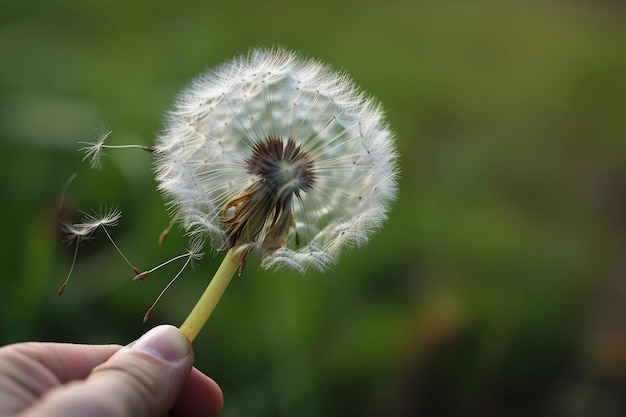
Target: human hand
x=152, y=376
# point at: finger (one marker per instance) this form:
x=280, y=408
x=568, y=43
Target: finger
x=142, y=379
x=28, y=370
x=201, y=396
x=65, y=362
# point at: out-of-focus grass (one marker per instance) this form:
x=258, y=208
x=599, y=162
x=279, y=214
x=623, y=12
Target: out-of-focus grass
x=496, y=287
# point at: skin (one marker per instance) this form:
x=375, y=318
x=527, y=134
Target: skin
x=153, y=376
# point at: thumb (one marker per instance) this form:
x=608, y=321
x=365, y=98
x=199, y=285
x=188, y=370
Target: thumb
x=142, y=379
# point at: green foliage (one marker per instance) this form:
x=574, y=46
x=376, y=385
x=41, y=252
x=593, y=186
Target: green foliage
x=497, y=285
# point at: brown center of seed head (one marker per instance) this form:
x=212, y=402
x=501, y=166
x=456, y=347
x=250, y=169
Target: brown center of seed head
x=263, y=212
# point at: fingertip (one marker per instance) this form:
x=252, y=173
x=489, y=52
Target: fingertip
x=164, y=342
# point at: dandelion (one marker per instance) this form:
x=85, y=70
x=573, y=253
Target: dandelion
x=278, y=156
x=94, y=150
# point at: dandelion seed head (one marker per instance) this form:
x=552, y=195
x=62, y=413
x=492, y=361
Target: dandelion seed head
x=279, y=154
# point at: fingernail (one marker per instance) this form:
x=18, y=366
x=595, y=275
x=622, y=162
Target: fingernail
x=164, y=342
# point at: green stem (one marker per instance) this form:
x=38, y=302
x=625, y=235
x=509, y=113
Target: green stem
x=212, y=294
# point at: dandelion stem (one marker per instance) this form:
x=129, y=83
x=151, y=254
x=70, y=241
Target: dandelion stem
x=212, y=294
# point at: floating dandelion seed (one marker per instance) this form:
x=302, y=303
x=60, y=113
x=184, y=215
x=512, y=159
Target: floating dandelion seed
x=94, y=150
x=82, y=231
x=75, y=233
x=278, y=156
x=110, y=219
x=103, y=218
x=194, y=253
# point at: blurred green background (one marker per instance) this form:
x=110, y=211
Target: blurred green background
x=496, y=288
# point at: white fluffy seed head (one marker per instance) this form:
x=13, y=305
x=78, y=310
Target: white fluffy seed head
x=203, y=156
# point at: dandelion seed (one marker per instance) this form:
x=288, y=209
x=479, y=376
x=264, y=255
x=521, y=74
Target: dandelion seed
x=94, y=150
x=85, y=229
x=78, y=231
x=278, y=156
x=110, y=219
x=193, y=254
x=75, y=233
x=103, y=218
